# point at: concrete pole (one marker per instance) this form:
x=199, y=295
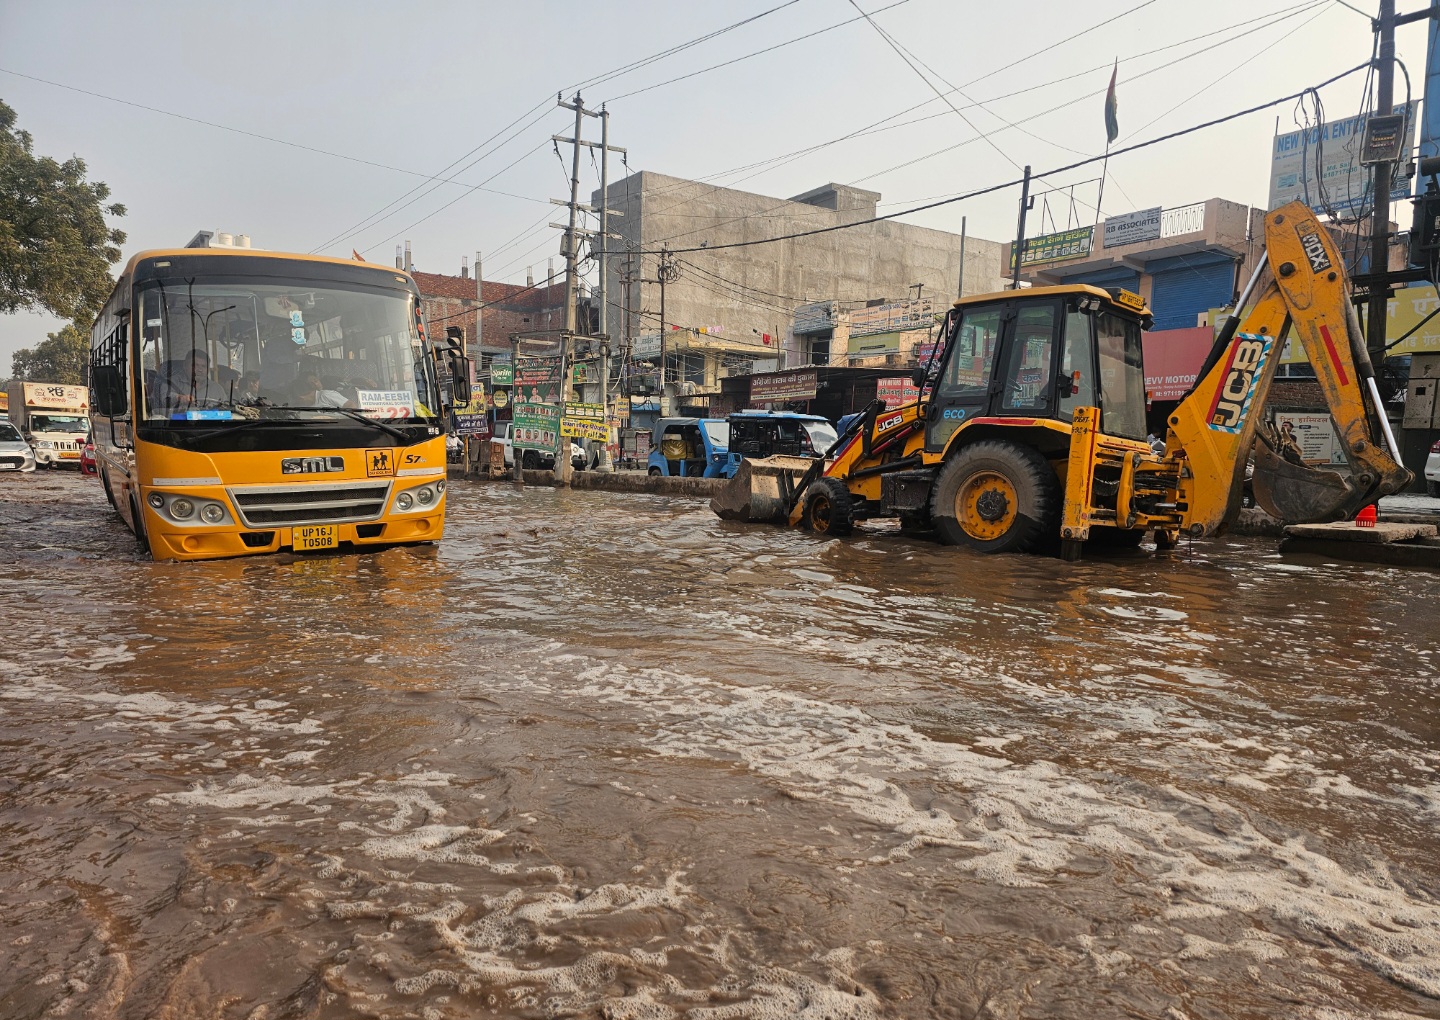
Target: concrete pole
x=664, y=270
x=516, y=467
x=562, y=445
x=601, y=257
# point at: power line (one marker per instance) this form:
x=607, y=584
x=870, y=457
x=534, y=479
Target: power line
x=1281, y=15
x=545, y=104
x=1014, y=183
x=747, y=56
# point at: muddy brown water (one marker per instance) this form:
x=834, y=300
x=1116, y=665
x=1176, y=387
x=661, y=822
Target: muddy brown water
x=606, y=756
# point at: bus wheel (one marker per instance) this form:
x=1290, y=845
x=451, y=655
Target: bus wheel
x=105, y=484
x=142, y=541
x=996, y=496
x=829, y=510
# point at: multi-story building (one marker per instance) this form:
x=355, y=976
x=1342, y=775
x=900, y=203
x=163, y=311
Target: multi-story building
x=732, y=298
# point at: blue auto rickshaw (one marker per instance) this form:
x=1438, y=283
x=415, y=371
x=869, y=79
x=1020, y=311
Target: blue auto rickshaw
x=690, y=448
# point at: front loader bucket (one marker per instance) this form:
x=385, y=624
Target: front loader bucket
x=1297, y=494
x=762, y=490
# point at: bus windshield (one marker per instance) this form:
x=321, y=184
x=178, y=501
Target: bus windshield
x=215, y=349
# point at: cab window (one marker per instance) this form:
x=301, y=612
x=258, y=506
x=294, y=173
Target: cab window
x=1122, y=376
x=1077, y=363
x=967, y=375
x=1028, y=375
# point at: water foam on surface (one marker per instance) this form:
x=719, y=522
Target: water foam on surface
x=1029, y=821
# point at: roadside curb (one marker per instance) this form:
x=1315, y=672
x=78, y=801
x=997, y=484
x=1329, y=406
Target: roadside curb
x=613, y=481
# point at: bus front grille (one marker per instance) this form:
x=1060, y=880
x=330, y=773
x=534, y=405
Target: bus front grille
x=317, y=503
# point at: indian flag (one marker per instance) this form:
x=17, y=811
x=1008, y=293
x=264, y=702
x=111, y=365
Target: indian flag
x=1112, y=109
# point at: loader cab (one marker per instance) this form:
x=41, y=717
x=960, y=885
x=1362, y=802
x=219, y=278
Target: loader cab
x=1021, y=357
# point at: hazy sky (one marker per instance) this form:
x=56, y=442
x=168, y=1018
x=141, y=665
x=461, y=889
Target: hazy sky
x=413, y=87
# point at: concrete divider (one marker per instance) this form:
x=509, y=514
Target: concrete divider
x=617, y=481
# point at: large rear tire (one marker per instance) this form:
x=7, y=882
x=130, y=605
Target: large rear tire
x=996, y=497
x=829, y=508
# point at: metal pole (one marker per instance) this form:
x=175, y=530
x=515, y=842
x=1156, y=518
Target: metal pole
x=960, y=288
x=601, y=253
x=475, y=355
x=1380, y=223
x=515, y=457
x=1020, y=228
x=562, y=447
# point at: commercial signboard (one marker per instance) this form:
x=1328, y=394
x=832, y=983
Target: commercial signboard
x=471, y=419
x=896, y=391
x=537, y=426
x=1404, y=312
x=646, y=346
x=782, y=386
x=873, y=345
x=594, y=411
x=1132, y=228
x=1172, y=360
x=1314, y=434
x=501, y=373
x=1321, y=167
x=897, y=317
x=1067, y=244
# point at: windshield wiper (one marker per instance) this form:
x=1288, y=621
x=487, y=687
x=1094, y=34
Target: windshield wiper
x=359, y=415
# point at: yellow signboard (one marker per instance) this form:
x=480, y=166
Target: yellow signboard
x=1406, y=309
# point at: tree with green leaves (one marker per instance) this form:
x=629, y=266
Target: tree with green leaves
x=59, y=358
x=55, y=247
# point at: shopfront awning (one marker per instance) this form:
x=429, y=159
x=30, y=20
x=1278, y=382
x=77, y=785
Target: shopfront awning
x=1173, y=358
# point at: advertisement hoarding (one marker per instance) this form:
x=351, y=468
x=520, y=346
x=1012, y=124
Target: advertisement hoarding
x=537, y=426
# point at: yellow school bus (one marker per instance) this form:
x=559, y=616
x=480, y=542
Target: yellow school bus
x=244, y=402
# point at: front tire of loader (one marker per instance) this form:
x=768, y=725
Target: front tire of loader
x=829, y=508
x=996, y=497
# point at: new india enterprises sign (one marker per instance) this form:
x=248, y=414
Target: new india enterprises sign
x=1068, y=244
x=1342, y=184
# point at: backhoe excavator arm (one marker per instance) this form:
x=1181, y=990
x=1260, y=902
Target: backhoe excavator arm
x=1213, y=430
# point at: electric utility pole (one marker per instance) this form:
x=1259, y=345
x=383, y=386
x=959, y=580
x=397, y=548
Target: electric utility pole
x=570, y=246
x=1380, y=217
x=666, y=272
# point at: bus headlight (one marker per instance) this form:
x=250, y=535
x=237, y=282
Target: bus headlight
x=404, y=501
x=425, y=496
x=181, y=508
x=156, y=500
x=212, y=513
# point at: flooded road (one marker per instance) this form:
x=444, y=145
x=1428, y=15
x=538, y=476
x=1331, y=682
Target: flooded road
x=604, y=755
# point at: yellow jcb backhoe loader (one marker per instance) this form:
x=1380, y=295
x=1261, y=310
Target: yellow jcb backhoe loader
x=1030, y=429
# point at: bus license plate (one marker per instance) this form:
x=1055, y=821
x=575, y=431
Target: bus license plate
x=315, y=536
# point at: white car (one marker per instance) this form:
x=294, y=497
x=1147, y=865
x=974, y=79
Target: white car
x=1432, y=471
x=541, y=460
x=15, y=453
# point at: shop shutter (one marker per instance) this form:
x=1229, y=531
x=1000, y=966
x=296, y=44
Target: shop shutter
x=1185, y=286
x=1118, y=276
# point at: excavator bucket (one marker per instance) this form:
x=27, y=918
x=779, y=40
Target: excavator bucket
x=764, y=489
x=1298, y=494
